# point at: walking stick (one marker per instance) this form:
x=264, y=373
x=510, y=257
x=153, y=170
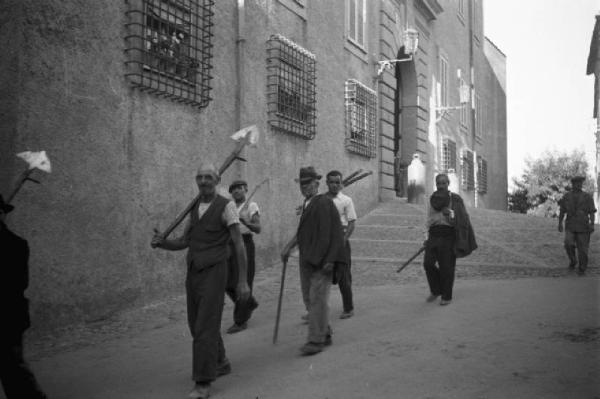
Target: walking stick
x=410, y=260
x=276, y=331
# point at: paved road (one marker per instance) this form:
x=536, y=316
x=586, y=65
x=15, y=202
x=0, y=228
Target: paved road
x=522, y=338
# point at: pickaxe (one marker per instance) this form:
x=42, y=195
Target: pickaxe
x=356, y=176
x=35, y=160
x=246, y=136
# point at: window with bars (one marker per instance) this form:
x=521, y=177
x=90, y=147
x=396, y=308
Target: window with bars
x=291, y=84
x=481, y=175
x=468, y=170
x=443, y=93
x=448, y=155
x=357, y=10
x=361, y=118
x=168, y=47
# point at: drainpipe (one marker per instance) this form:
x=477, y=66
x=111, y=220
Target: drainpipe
x=472, y=72
x=239, y=58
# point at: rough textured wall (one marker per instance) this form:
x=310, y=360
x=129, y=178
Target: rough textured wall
x=124, y=161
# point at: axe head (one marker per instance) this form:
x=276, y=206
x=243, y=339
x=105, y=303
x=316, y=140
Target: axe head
x=249, y=134
x=36, y=160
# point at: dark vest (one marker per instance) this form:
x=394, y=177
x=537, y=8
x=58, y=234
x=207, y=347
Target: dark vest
x=208, y=236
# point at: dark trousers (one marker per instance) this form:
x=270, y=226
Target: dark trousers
x=17, y=379
x=440, y=249
x=344, y=279
x=242, y=310
x=205, y=297
x=581, y=242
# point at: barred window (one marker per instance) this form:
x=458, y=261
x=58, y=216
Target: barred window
x=291, y=83
x=448, y=155
x=168, y=47
x=481, y=175
x=468, y=170
x=361, y=106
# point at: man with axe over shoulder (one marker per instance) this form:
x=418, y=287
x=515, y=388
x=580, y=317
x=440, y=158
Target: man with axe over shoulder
x=213, y=222
x=320, y=243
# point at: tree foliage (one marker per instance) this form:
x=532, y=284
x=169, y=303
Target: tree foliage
x=546, y=180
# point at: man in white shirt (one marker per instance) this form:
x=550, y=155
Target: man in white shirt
x=345, y=207
x=249, y=216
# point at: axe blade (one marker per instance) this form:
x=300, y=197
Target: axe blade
x=36, y=160
x=250, y=134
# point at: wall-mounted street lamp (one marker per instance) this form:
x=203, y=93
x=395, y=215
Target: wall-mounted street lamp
x=410, y=40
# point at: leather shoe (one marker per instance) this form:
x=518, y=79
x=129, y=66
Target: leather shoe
x=432, y=298
x=223, y=368
x=445, y=302
x=200, y=391
x=347, y=315
x=311, y=348
x=237, y=328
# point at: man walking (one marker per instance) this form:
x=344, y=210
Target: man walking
x=249, y=215
x=213, y=222
x=450, y=236
x=319, y=239
x=17, y=379
x=345, y=207
x=579, y=208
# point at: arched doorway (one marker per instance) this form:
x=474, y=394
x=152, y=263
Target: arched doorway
x=405, y=120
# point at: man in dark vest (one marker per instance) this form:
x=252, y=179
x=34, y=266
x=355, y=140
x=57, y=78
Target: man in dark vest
x=450, y=236
x=17, y=379
x=580, y=210
x=320, y=242
x=213, y=222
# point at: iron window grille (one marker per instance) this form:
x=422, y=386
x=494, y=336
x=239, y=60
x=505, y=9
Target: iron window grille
x=291, y=85
x=168, y=47
x=481, y=175
x=361, y=118
x=448, y=155
x=443, y=93
x=468, y=170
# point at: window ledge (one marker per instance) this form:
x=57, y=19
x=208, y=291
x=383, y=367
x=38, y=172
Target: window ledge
x=356, y=49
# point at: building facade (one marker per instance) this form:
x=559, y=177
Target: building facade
x=127, y=98
x=593, y=67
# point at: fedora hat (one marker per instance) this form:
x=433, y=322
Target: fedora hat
x=577, y=178
x=4, y=206
x=307, y=174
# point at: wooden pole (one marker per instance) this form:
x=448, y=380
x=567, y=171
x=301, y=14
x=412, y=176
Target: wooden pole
x=278, y=316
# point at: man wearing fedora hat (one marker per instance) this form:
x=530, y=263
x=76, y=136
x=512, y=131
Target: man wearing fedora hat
x=249, y=225
x=579, y=208
x=17, y=379
x=320, y=243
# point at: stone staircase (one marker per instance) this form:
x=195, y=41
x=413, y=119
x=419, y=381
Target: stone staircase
x=510, y=245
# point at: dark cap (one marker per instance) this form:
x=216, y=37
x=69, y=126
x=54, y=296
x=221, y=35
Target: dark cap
x=307, y=174
x=237, y=183
x=577, y=178
x=4, y=206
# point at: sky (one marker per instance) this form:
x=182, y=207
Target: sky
x=549, y=96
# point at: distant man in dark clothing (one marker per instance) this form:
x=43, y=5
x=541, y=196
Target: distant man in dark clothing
x=249, y=215
x=213, y=222
x=580, y=210
x=345, y=207
x=17, y=379
x=320, y=242
x=450, y=235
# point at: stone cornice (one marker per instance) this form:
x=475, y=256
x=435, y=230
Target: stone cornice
x=429, y=8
